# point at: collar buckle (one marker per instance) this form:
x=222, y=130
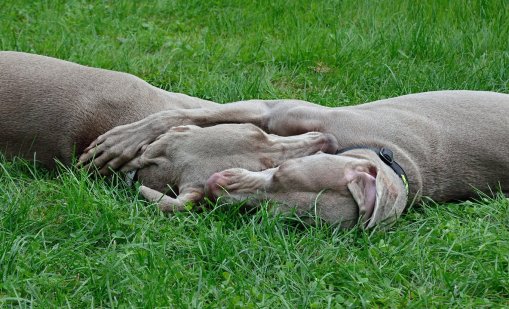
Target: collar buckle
x=386, y=155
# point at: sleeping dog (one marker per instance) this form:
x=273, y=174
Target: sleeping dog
x=50, y=109
x=444, y=145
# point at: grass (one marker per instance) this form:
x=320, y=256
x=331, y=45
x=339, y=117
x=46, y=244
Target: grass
x=70, y=241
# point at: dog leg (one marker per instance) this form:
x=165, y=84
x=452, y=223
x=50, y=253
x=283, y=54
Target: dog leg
x=121, y=144
x=167, y=204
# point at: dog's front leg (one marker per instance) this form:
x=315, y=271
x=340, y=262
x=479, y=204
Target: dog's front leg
x=120, y=145
x=168, y=204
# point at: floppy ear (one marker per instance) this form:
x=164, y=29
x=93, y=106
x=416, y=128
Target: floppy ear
x=168, y=204
x=391, y=196
x=362, y=186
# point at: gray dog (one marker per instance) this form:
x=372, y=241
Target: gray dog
x=444, y=145
x=50, y=109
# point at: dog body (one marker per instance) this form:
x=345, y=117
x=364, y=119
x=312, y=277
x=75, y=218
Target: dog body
x=53, y=108
x=50, y=109
x=449, y=143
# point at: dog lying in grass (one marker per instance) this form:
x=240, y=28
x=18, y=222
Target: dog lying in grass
x=51, y=109
x=342, y=164
x=445, y=145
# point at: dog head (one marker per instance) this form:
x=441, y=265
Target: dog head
x=186, y=156
x=341, y=189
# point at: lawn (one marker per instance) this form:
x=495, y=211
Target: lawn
x=69, y=240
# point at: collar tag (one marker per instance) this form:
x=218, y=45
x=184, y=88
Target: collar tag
x=386, y=155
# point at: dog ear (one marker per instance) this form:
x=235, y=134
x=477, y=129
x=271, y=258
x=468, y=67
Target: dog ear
x=391, y=196
x=362, y=186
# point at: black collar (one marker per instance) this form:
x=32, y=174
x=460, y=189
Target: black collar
x=387, y=157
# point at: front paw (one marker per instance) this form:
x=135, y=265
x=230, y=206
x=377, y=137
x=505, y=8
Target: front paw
x=112, y=150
